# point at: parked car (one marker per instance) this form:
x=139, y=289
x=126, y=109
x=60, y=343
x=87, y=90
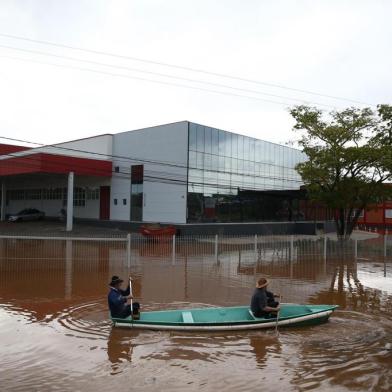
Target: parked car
x=28, y=214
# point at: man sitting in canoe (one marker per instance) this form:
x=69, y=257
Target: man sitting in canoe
x=117, y=300
x=263, y=302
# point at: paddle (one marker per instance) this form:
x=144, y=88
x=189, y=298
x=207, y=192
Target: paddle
x=131, y=294
x=277, y=317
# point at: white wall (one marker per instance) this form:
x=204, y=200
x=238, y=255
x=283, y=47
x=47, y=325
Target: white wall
x=120, y=189
x=163, y=202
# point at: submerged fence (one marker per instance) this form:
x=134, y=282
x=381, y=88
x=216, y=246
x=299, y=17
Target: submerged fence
x=256, y=248
x=192, y=267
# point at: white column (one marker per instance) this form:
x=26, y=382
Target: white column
x=3, y=200
x=70, y=201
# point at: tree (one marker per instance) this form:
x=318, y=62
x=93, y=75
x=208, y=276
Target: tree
x=349, y=159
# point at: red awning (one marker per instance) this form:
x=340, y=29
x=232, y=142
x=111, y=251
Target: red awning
x=50, y=163
x=10, y=148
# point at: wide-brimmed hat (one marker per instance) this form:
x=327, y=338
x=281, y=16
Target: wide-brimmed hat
x=115, y=280
x=261, y=283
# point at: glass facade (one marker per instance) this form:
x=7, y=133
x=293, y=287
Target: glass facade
x=229, y=175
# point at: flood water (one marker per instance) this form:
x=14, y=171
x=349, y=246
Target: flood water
x=55, y=333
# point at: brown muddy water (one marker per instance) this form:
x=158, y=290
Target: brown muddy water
x=55, y=333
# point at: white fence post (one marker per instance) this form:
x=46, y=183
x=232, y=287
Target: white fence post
x=129, y=238
x=68, y=268
x=174, y=249
x=385, y=242
x=216, y=248
x=256, y=248
x=291, y=247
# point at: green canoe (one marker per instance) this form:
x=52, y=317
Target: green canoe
x=227, y=318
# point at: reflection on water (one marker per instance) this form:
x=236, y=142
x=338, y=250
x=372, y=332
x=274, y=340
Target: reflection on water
x=55, y=331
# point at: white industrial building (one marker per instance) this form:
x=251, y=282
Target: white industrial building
x=174, y=173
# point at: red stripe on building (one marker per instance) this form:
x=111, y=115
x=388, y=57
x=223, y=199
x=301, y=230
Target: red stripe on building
x=59, y=164
x=9, y=149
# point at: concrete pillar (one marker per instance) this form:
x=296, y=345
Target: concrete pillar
x=70, y=201
x=3, y=201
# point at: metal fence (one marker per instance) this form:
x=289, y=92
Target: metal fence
x=127, y=248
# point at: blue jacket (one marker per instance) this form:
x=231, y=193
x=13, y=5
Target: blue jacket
x=117, y=301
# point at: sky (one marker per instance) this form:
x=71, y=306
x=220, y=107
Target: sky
x=50, y=93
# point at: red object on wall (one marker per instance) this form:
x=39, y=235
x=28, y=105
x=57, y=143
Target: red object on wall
x=104, y=203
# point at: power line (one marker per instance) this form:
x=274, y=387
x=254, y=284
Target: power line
x=190, y=69
x=151, y=80
x=158, y=74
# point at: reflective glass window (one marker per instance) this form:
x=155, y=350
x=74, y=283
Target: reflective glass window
x=200, y=138
x=227, y=164
x=228, y=144
x=234, y=146
x=199, y=160
x=215, y=141
x=251, y=168
x=236, y=181
x=234, y=165
x=252, y=149
x=214, y=162
x=207, y=161
x=225, y=181
x=240, y=147
x=259, y=151
x=221, y=163
x=192, y=136
x=208, y=140
x=240, y=166
x=281, y=156
x=275, y=154
x=246, y=167
x=192, y=159
x=246, y=148
x=222, y=140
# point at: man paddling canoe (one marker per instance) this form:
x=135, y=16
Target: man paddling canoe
x=263, y=302
x=117, y=300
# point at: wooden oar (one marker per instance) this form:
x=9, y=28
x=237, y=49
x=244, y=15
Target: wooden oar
x=277, y=317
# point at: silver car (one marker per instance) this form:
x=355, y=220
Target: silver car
x=28, y=214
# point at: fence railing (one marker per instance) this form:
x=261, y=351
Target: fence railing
x=250, y=248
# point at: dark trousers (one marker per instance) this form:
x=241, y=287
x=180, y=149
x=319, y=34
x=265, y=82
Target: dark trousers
x=127, y=311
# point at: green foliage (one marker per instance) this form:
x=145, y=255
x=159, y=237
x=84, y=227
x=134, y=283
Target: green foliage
x=349, y=159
